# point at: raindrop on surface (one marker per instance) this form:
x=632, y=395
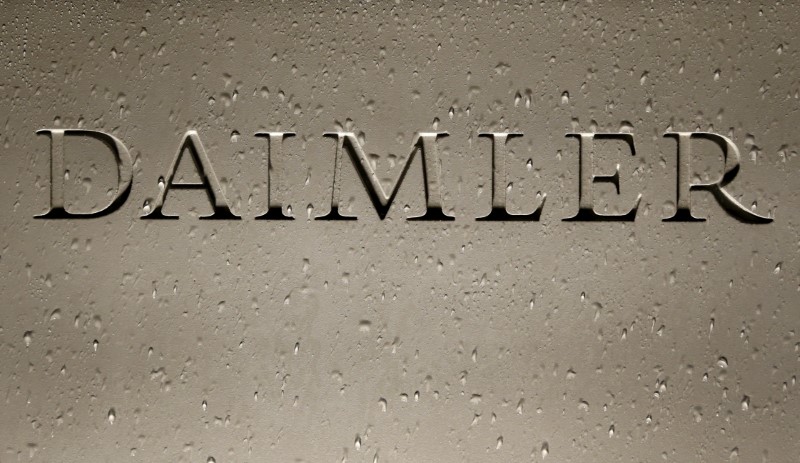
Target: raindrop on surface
x=112, y=415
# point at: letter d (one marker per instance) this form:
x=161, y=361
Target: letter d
x=58, y=171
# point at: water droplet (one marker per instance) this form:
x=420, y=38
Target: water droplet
x=112, y=415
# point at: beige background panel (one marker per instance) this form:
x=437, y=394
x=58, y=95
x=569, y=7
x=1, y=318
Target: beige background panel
x=124, y=339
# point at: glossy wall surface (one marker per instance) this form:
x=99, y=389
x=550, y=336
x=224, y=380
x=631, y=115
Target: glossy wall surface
x=390, y=340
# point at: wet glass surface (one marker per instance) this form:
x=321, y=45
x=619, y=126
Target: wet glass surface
x=523, y=337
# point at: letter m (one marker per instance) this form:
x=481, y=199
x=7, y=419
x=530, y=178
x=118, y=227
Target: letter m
x=424, y=144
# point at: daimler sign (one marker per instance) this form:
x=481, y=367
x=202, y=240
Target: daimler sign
x=425, y=143
x=453, y=231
